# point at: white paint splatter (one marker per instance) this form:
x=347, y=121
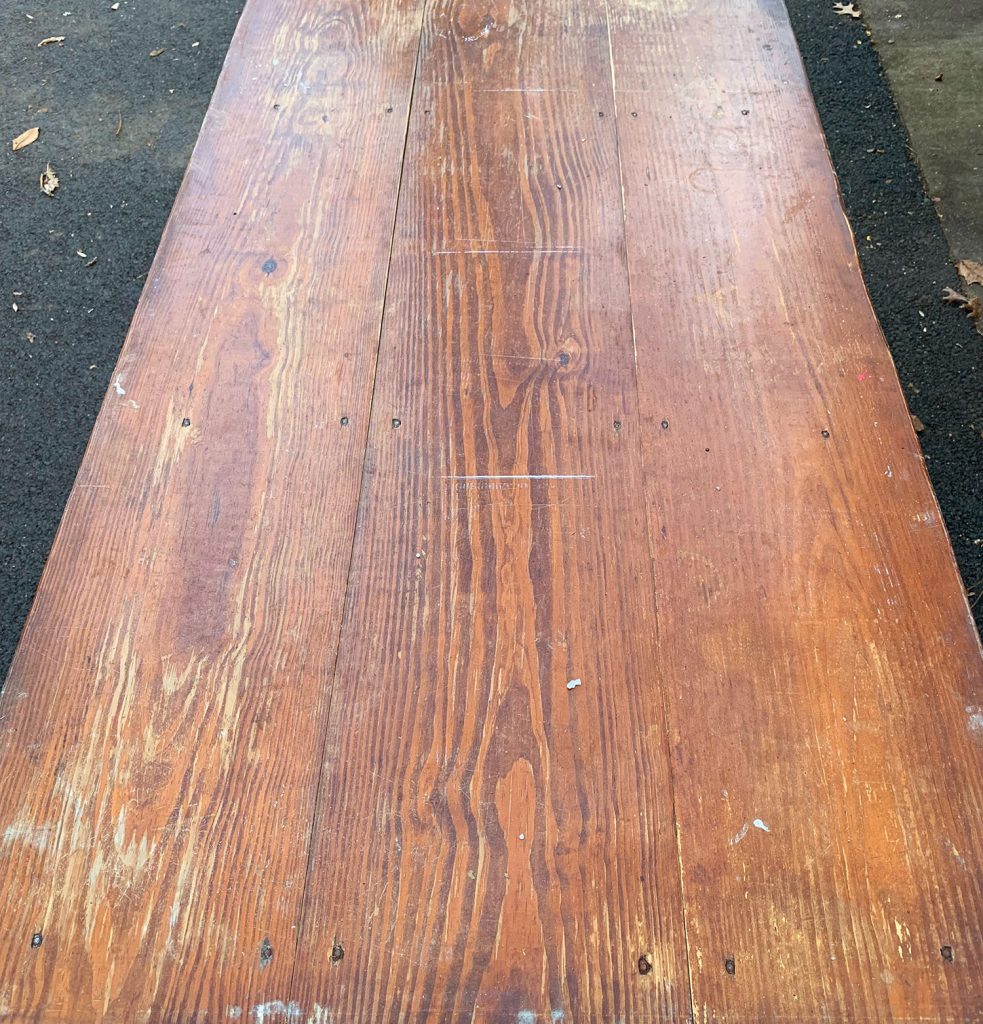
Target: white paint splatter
x=118, y=385
x=758, y=823
x=574, y=683
x=525, y=1017
x=32, y=835
x=557, y=1015
x=277, y=1008
x=522, y=835
x=975, y=718
x=234, y=1012
x=734, y=840
x=482, y=32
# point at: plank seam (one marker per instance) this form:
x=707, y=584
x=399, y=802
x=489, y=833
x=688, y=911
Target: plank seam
x=648, y=532
x=311, y=843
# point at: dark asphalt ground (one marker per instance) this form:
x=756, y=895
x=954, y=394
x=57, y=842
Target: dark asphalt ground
x=117, y=185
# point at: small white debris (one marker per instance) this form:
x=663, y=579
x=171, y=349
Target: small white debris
x=574, y=683
x=758, y=823
x=522, y=835
x=118, y=385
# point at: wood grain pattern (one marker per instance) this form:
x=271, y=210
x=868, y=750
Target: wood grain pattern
x=596, y=654
x=494, y=841
x=821, y=666
x=156, y=778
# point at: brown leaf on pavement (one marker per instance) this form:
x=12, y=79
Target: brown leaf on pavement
x=25, y=138
x=970, y=271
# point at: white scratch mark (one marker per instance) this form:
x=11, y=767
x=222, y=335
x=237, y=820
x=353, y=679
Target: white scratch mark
x=527, y=476
x=758, y=823
x=118, y=385
x=563, y=250
x=574, y=683
x=734, y=840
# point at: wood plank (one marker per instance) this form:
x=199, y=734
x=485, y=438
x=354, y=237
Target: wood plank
x=495, y=836
x=156, y=790
x=824, y=675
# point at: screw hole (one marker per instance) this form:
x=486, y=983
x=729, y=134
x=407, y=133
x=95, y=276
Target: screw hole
x=337, y=953
x=36, y=939
x=729, y=966
x=397, y=424
x=634, y=113
x=825, y=433
x=344, y=421
x=665, y=424
x=645, y=964
x=185, y=422
x=947, y=955
x=617, y=425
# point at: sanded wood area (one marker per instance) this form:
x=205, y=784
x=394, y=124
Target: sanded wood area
x=503, y=584
x=820, y=664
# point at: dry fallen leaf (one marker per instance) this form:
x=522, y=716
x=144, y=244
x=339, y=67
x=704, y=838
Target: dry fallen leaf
x=49, y=181
x=847, y=9
x=26, y=138
x=157, y=53
x=917, y=424
x=971, y=306
x=970, y=271
x=52, y=39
